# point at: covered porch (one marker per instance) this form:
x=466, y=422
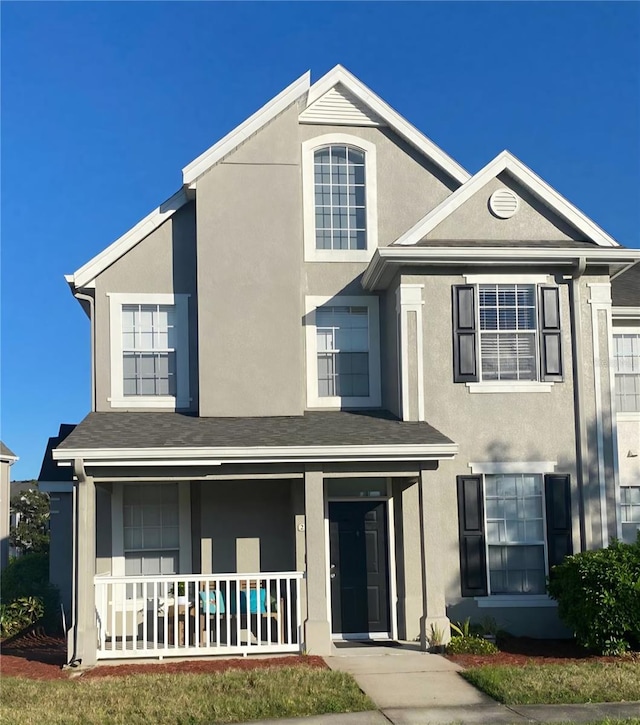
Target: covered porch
x=272, y=549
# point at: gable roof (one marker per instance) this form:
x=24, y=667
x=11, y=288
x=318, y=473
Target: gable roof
x=49, y=470
x=506, y=161
x=384, y=115
x=6, y=454
x=357, y=91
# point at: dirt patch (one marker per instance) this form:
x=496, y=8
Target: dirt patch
x=520, y=651
x=38, y=656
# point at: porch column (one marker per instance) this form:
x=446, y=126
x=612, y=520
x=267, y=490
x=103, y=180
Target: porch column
x=83, y=648
x=411, y=599
x=431, y=506
x=317, y=632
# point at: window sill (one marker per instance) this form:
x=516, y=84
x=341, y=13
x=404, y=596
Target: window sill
x=339, y=255
x=155, y=401
x=510, y=387
x=629, y=417
x=342, y=403
x=515, y=600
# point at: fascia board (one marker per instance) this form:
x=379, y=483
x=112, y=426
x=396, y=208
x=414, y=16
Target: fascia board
x=387, y=257
x=253, y=124
x=89, y=271
x=403, y=128
x=505, y=161
x=218, y=455
x=9, y=459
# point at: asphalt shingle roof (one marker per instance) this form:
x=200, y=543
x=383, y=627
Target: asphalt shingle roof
x=625, y=288
x=174, y=430
x=49, y=471
x=5, y=451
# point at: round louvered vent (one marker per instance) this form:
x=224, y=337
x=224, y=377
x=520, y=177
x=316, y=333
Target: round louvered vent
x=503, y=203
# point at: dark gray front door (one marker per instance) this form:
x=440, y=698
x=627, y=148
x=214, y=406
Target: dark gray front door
x=359, y=567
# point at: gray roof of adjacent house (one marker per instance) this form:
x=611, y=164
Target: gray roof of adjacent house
x=625, y=288
x=6, y=452
x=49, y=471
x=175, y=430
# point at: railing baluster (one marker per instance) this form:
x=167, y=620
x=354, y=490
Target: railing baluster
x=298, y=615
x=156, y=613
x=279, y=605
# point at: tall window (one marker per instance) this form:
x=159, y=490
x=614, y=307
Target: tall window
x=630, y=510
x=515, y=533
x=340, y=207
x=508, y=331
x=148, y=350
x=343, y=351
x=151, y=529
x=626, y=361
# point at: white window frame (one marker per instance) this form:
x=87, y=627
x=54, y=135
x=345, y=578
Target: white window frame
x=630, y=415
x=168, y=402
x=374, y=399
x=624, y=505
x=507, y=386
x=311, y=254
x=184, y=523
x=534, y=468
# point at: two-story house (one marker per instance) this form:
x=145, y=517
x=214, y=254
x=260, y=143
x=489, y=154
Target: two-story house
x=341, y=389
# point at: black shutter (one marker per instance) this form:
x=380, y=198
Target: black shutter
x=465, y=363
x=473, y=564
x=558, y=502
x=550, y=335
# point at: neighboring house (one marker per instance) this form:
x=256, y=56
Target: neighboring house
x=7, y=459
x=341, y=389
x=57, y=481
x=625, y=293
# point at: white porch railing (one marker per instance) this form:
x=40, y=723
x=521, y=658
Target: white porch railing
x=198, y=614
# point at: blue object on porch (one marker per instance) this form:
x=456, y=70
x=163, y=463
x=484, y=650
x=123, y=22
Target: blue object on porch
x=255, y=606
x=215, y=603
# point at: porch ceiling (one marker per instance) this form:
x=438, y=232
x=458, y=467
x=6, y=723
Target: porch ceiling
x=312, y=436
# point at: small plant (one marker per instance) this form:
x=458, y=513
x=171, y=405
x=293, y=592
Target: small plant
x=470, y=645
x=435, y=638
x=462, y=629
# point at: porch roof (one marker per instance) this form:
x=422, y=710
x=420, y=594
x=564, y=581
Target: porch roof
x=154, y=435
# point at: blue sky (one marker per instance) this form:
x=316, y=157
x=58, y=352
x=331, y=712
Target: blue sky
x=104, y=103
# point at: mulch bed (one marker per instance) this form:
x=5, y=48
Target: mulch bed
x=38, y=656
x=520, y=651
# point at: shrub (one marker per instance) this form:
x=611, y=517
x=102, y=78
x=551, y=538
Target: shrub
x=471, y=645
x=28, y=576
x=19, y=614
x=598, y=595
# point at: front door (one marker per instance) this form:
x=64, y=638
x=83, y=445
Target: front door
x=359, y=567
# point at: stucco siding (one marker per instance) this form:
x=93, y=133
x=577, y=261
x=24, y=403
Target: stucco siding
x=474, y=221
x=246, y=527
x=249, y=223
x=162, y=263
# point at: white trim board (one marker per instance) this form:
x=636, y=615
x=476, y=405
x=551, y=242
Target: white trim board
x=240, y=133
x=85, y=275
x=505, y=161
x=340, y=75
x=498, y=467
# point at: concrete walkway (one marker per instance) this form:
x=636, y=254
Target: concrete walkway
x=411, y=687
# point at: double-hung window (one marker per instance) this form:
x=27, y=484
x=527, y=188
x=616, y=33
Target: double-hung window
x=514, y=526
x=515, y=533
x=506, y=334
x=626, y=365
x=339, y=190
x=343, y=357
x=630, y=512
x=149, y=351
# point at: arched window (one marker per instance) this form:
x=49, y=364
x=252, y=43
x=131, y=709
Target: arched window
x=340, y=197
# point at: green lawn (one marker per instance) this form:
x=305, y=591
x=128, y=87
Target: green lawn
x=558, y=684
x=184, y=699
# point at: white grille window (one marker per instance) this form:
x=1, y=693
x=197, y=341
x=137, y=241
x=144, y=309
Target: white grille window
x=151, y=529
x=630, y=512
x=148, y=350
x=508, y=331
x=343, y=351
x=626, y=365
x=515, y=529
x=340, y=207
